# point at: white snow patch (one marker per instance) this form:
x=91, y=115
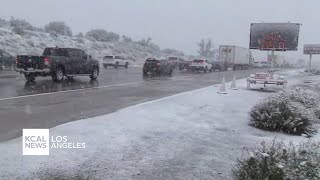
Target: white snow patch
x=281, y=166
x=303, y=163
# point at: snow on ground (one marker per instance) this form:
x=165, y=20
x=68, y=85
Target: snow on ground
x=192, y=135
x=33, y=43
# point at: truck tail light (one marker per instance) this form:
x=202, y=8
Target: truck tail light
x=46, y=61
x=17, y=60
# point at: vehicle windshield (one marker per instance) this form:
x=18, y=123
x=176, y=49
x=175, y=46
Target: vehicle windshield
x=151, y=60
x=159, y=90
x=118, y=57
x=55, y=52
x=108, y=57
x=198, y=61
x=172, y=58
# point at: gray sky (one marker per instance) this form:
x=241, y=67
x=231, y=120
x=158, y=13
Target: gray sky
x=172, y=23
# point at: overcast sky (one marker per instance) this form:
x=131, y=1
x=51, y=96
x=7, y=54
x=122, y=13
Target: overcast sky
x=172, y=23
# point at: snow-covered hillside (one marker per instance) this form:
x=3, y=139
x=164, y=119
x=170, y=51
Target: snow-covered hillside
x=34, y=42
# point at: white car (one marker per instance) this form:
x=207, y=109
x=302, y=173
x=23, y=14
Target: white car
x=174, y=60
x=115, y=61
x=257, y=65
x=201, y=65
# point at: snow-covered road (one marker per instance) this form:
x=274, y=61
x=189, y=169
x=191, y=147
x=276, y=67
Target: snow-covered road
x=193, y=135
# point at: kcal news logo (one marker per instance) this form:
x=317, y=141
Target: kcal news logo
x=38, y=142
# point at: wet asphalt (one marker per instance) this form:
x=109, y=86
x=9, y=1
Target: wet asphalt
x=46, y=104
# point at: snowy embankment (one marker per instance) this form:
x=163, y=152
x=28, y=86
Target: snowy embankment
x=193, y=135
x=33, y=43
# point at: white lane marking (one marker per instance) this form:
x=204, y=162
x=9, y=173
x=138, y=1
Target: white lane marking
x=9, y=75
x=99, y=87
x=73, y=90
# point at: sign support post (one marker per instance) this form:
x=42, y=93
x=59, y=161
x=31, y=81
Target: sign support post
x=309, y=68
x=272, y=59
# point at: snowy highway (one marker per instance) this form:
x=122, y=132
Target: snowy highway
x=198, y=134
x=173, y=90
x=45, y=104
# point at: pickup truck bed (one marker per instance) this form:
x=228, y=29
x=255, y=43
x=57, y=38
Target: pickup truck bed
x=27, y=64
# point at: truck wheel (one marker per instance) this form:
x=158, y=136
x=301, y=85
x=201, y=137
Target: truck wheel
x=127, y=65
x=58, y=74
x=29, y=77
x=171, y=72
x=116, y=65
x=145, y=74
x=95, y=73
x=206, y=70
x=70, y=78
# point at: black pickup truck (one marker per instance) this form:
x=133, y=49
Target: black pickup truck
x=58, y=63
